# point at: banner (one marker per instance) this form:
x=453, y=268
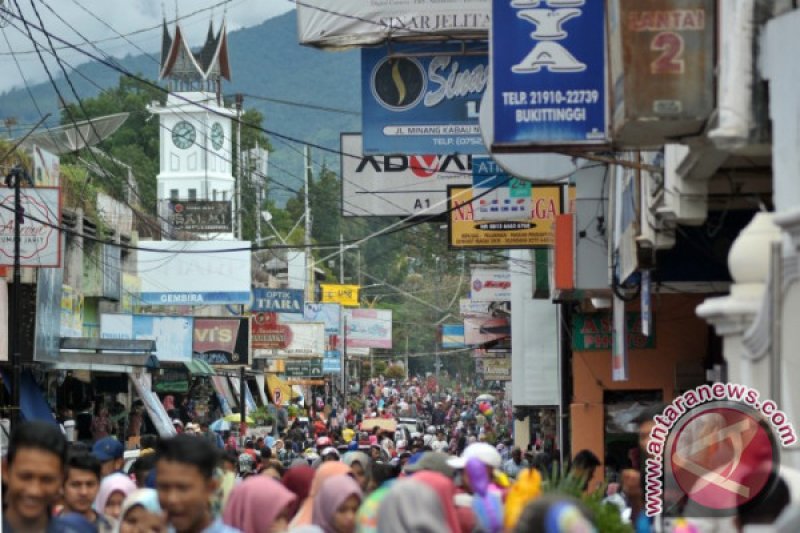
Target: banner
x=533, y=230
x=200, y=216
x=594, y=332
x=422, y=98
x=490, y=285
x=397, y=184
x=71, y=312
x=221, y=341
x=40, y=241
x=277, y=300
x=173, y=334
x=345, y=295
x=549, y=73
x=477, y=308
x=347, y=23
x=368, y=328
x=297, y=339
x=194, y=272
x=479, y=331
x=452, y=335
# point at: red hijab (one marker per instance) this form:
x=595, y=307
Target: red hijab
x=446, y=490
x=298, y=480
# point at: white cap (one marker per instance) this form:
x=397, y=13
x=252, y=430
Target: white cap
x=483, y=452
x=328, y=451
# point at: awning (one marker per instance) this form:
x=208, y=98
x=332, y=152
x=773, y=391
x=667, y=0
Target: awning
x=106, y=355
x=198, y=367
x=33, y=404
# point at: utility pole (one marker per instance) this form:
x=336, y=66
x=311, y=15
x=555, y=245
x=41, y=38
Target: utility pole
x=259, y=189
x=345, y=381
x=341, y=259
x=406, y=361
x=240, y=177
x=242, y=406
x=307, y=216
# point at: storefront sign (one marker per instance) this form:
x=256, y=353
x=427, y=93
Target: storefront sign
x=500, y=196
x=368, y=328
x=452, y=335
x=479, y=331
x=534, y=229
x=490, y=285
x=497, y=369
x=397, y=184
x=350, y=23
x=267, y=333
x=201, y=216
x=332, y=362
x=426, y=104
x=173, y=334
x=593, y=332
x=619, y=351
x=296, y=339
x=549, y=73
x=194, y=272
x=277, y=300
x=304, y=368
x=40, y=241
x=345, y=295
x=221, y=341
x=479, y=308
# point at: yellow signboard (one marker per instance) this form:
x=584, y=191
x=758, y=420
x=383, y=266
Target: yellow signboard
x=533, y=231
x=346, y=295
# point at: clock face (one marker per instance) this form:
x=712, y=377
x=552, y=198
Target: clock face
x=217, y=135
x=183, y=135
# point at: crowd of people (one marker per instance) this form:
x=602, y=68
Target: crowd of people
x=343, y=472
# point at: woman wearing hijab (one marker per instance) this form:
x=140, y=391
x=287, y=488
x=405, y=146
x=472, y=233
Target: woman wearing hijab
x=259, y=505
x=326, y=470
x=446, y=491
x=336, y=505
x=411, y=506
x=298, y=480
x=359, y=465
x=141, y=512
x=113, y=491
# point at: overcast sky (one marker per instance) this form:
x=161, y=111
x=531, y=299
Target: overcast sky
x=122, y=16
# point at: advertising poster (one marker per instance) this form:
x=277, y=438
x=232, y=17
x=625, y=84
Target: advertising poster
x=173, y=334
x=345, y=295
x=549, y=73
x=490, y=285
x=452, y=335
x=478, y=308
x=391, y=185
x=200, y=216
x=277, y=300
x=533, y=230
x=221, y=341
x=423, y=98
x=331, y=316
x=368, y=328
x=40, y=242
x=479, y=331
x=297, y=339
x=499, y=195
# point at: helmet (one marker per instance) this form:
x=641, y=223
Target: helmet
x=431, y=430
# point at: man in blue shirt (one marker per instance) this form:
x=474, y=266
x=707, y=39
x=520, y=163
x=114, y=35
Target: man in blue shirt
x=186, y=484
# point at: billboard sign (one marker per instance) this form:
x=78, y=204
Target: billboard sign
x=304, y=368
x=549, y=73
x=40, y=242
x=332, y=362
x=398, y=184
x=221, y=341
x=423, y=99
x=173, y=334
x=478, y=308
x=297, y=339
x=594, y=332
x=358, y=23
x=267, y=333
x=452, y=335
x=277, y=300
x=533, y=230
x=496, y=369
x=479, y=331
x=490, y=285
x=368, y=328
x=345, y=295
x=201, y=216
x=499, y=195
x=194, y=272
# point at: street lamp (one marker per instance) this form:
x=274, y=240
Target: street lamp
x=267, y=217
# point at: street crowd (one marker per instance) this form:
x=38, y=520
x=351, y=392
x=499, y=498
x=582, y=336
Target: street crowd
x=342, y=472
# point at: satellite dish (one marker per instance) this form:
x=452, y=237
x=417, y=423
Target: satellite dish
x=533, y=167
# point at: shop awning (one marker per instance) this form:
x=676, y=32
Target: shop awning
x=106, y=355
x=33, y=404
x=198, y=367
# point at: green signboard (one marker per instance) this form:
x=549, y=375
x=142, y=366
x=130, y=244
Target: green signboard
x=593, y=332
x=304, y=368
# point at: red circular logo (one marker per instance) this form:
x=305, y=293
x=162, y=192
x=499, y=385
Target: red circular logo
x=722, y=457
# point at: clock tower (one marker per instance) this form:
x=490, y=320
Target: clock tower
x=196, y=148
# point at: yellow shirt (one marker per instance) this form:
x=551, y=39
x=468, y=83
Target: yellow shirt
x=348, y=434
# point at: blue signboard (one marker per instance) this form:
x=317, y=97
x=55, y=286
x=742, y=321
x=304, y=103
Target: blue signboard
x=453, y=336
x=425, y=104
x=332, y=362
x=277, y=300
x=549, y=72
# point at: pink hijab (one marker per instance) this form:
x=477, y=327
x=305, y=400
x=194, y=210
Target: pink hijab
x=446, y=490
x=332, y=494
x=325, y=471
x=111, y=484
x=256, y=503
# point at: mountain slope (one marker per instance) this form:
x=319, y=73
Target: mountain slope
x=266, y=61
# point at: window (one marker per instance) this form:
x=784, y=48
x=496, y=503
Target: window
x=173, y=194
x=192, y=195
x=224, y=196
x=215, y=195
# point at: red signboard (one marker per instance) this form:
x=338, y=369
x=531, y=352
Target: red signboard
x=267, y=334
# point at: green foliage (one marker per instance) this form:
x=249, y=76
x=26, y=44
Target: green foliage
x=395, y=372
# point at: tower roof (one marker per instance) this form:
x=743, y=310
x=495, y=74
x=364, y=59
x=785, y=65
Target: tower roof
x=210, y=62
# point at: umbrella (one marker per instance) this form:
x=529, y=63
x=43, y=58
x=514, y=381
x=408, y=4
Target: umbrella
x=236, y=418
x=485, y=398
x=220, y=426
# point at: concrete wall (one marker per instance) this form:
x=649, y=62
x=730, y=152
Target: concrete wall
x=681, y=337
